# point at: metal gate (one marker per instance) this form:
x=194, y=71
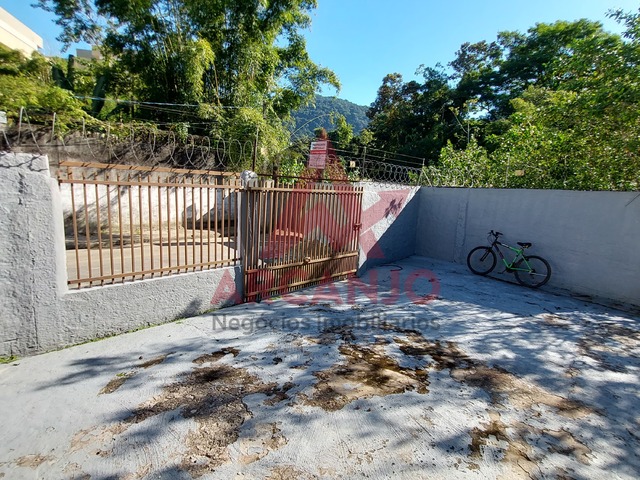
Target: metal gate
x=298, y=236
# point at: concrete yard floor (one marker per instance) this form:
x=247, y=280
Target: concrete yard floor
x=418, y=370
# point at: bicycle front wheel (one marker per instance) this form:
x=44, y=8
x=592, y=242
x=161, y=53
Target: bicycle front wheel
x=533, y=271
x=481, y=260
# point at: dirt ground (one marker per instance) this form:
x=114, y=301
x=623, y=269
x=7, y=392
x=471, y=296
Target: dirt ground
x=418, y=370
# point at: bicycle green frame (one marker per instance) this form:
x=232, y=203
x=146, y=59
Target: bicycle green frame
x=519, y=255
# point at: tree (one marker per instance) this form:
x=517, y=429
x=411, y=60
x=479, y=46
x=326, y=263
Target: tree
x=226, y=68
x=555, y=107
x=231, y=53
x=413, y=118
x=390, y=94
x=343, y=132
x=470, y=167
x=495, y=73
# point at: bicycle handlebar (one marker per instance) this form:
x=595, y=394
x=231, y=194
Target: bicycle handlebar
x=495, y=234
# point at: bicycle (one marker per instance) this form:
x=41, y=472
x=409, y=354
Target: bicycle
x=530, y=270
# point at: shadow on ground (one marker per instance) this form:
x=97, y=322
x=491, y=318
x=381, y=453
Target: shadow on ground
x=417, y=369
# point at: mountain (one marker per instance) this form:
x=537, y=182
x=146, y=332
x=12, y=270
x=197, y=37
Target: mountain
x=309, y=118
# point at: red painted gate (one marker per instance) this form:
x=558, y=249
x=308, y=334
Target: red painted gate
x=298, y=236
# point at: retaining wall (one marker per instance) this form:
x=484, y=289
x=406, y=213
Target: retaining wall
x=187, y=205
x=589, y=238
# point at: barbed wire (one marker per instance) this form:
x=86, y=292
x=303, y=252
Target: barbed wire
x=127, y=143
x=370, y=165
x=145, y=144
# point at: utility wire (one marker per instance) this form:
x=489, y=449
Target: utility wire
x=156, y=106
x=136, y=102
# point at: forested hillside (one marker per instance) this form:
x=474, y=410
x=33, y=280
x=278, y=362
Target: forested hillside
x=320, y=114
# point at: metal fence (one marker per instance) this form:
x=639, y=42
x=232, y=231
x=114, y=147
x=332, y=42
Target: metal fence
x=124, y=223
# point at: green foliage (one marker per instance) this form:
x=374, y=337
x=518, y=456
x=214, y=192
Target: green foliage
x=553, y=143
x=556, y=107
x=290, y=167
x=413, y=118
x=37, y=68
x=17, y=92
x=14, y=63
x=181, y=130
x=495, y=73
x=242, y=53
x=365, y=137
x=343, y=132
x=470, y=167
x=7, y=359
x=61, y=102
x=211, y=67
x=44, y=87
x=11, y=61
x=558, y=142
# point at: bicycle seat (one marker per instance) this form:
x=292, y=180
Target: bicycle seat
x=524, y=244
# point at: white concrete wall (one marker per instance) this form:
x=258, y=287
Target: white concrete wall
x=38, y=312
x=389, y=216
x=31, y=251
x=16, y=35
x=591, y=239
x=219, y=202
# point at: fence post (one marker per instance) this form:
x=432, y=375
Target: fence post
x=19, y=125
x=246, y=226
x=254, y=155
x=364, y=161
x=53, y=127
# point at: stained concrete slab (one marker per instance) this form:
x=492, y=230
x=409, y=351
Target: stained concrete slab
x=417, y=370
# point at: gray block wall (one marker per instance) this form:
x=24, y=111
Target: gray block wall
x=38, y=312
x=590, y=238
x=30, y=263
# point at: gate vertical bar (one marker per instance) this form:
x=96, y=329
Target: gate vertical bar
x=160, y=227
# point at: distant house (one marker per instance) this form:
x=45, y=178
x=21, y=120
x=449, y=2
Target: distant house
x=85, y=54
x=16, y=35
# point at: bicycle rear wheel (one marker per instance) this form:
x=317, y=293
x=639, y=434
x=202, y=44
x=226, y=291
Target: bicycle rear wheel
x=481, y=260
x=535, y=274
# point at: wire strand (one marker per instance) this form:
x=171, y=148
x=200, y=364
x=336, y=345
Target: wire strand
x=137, y=102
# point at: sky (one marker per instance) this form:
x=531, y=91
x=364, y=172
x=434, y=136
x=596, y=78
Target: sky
x=363, y=40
